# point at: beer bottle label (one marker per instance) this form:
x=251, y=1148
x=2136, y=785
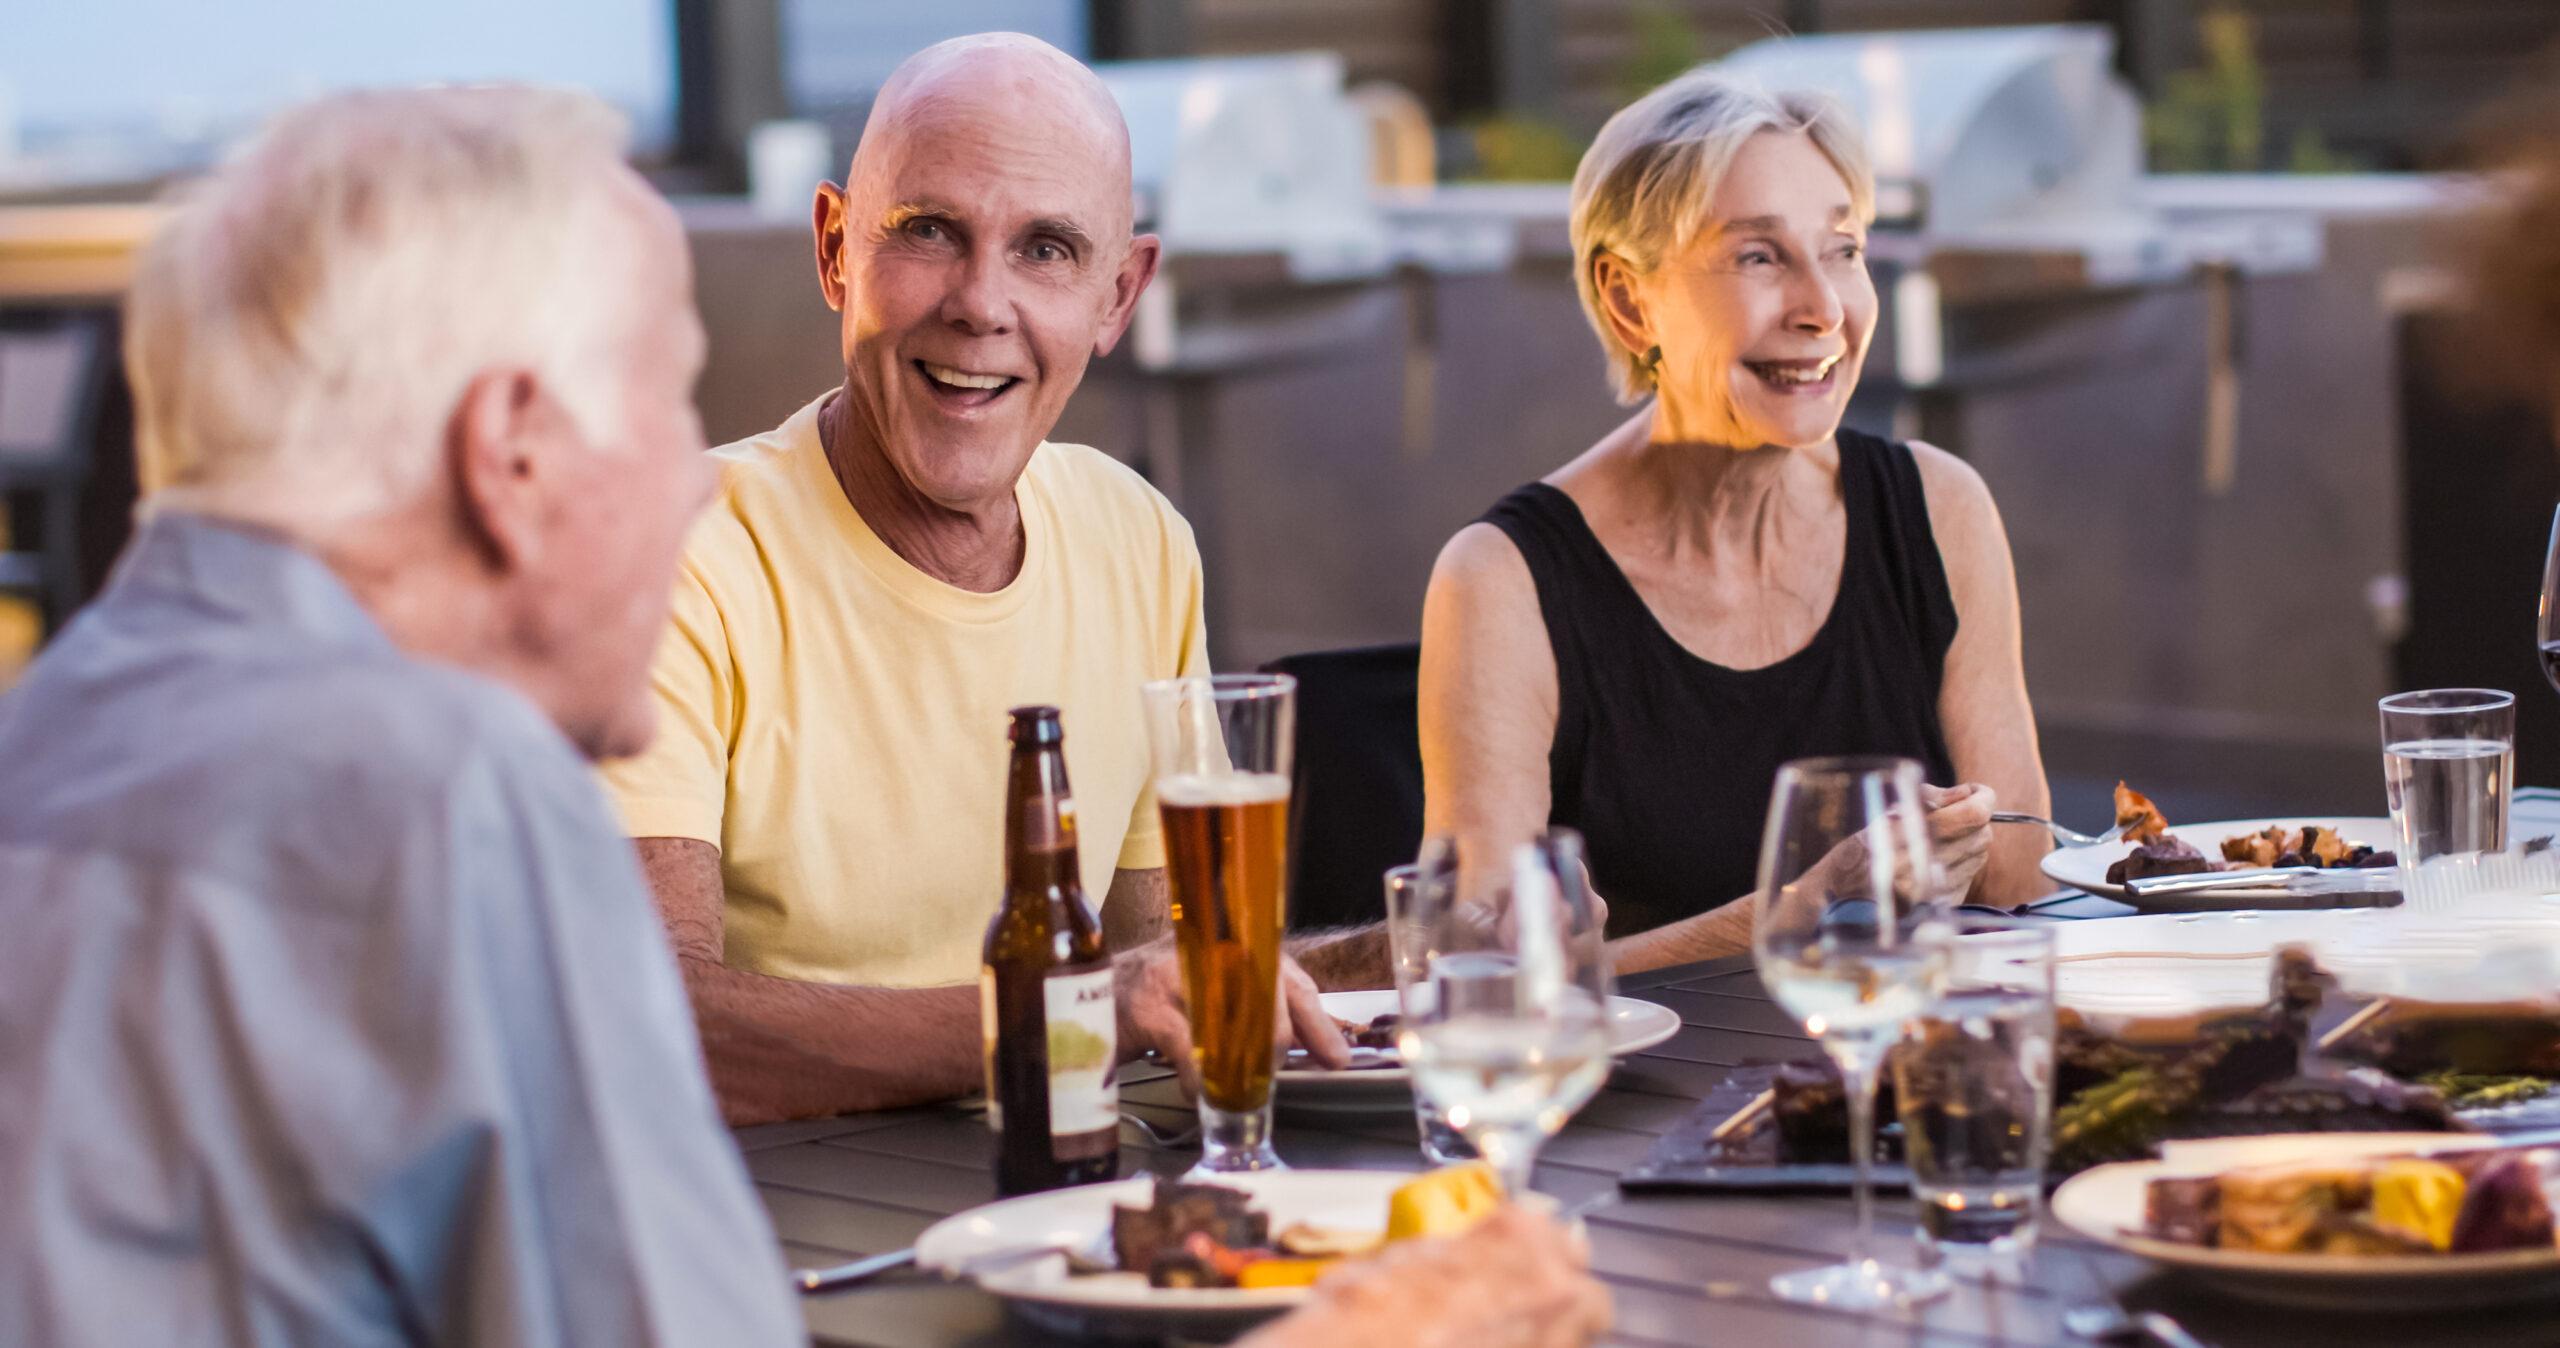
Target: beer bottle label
x=1084, y=1037
x=987, y=1033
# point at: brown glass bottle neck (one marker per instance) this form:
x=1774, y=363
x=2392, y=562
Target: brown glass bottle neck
x=1040, y=822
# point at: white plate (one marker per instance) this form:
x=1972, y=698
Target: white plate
x=2086, y=867
x=1123, y=1303
x=2485, y=948
x=1634, y=1025
x=2106, y=1205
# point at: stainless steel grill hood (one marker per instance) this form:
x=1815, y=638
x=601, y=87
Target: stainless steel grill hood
x=2021, y=142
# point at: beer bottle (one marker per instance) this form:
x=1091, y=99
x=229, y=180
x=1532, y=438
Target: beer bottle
x=1047, y=1007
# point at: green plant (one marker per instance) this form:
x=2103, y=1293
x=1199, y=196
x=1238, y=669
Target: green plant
x=1665, y=46
x=2213, y=118
x=1520, y=148
x=2312, y=153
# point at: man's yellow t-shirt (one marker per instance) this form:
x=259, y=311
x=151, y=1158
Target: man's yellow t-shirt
x=833, y=719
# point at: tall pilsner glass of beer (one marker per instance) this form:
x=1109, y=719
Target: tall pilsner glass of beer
x=1222, y=747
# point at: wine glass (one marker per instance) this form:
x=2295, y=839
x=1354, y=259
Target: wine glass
x=2546, y=634
x=1506, y=1020
x=1851, y=934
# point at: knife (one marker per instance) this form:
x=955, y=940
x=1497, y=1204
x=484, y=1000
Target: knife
x=2291, y=879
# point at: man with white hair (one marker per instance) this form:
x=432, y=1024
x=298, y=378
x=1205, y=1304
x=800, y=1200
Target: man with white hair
x=332, y=1008
x=881, y=577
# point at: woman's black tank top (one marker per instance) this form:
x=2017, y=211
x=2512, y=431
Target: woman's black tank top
x=1665, y=761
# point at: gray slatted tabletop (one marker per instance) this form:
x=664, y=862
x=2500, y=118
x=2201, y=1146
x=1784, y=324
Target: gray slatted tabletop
x=1684, y=1270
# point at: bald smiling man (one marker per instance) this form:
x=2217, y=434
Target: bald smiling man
x=881, y=577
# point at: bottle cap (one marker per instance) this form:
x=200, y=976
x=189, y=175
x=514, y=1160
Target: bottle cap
x=1035, y=726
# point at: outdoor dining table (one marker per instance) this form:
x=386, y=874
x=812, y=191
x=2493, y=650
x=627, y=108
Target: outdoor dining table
x=1682, y=1269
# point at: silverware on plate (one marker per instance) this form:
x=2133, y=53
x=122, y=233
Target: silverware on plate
x=2063, y=836
x=2108, y=1322
x=2104, y=1318
x=841, y=1276
x=2291, y=879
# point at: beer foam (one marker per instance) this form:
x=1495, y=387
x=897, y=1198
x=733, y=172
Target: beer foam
x=1224, y=788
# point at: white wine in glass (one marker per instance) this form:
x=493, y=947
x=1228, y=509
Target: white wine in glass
x=1851, y=933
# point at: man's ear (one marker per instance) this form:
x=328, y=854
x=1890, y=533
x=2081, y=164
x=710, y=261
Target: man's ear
x=493, y=448
x=1620, y=302
x=827, y=223
x=1136, y=270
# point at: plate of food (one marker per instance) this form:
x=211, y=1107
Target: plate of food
x=2150, y=847
x=1377, y=1081
x=2295, y=1057
x=2377, y=1221
x=1154, y=1257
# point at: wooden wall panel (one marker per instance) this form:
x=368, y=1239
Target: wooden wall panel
x=1398, y=40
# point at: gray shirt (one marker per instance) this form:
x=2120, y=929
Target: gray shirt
x=333, y=1009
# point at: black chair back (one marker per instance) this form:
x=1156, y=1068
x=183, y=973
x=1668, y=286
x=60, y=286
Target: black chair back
x=1355, y=805
x=53, y=376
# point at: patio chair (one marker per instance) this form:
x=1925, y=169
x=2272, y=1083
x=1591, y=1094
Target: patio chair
x=53, y=378
x=1355, y=805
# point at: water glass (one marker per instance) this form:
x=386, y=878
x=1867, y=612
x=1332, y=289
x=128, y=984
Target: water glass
x=2448, y=767
x=1413, y=896
x=1974, y=1086
x=1506, y=1030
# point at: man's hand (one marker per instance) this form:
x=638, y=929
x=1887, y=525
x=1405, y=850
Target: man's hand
x=1154, y=1019
x=1515, y=1281
x=1960, y=828
x=1303, y=1021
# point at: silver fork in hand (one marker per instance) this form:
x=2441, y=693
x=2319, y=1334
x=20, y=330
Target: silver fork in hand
x=2065, y=837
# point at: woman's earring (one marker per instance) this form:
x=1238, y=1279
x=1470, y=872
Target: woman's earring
x=1653, y=362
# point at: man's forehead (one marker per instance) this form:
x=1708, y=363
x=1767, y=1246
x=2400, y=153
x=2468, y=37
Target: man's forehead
x=1011, y=171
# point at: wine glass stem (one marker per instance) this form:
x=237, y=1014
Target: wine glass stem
x=1858, y=1073
x=1514, y=1155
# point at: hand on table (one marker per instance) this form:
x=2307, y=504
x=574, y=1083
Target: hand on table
x=1153, y=1017
x=1515, y=1281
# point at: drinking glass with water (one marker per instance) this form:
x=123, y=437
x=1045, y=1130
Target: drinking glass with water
x=1506, y=1020
x=2448, y=767
x=1415, y=894
x=1974, y=1086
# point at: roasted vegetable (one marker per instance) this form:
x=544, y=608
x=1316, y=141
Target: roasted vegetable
x=2393, y=1206
x=2141, y=819
x=1444, y=1202
x=1283, y=1272
x=2483, y=1090
x=2506, y=1208
x=2289, y=1209
x=2420, y=1197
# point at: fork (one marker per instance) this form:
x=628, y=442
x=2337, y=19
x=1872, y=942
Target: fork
x=2107, y=1322
x=2064, y=836
x=2104, y=1319
x=1176, y=1137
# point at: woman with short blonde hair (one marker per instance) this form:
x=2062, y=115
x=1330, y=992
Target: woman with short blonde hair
x=1637, y=192
x=1730, y=579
